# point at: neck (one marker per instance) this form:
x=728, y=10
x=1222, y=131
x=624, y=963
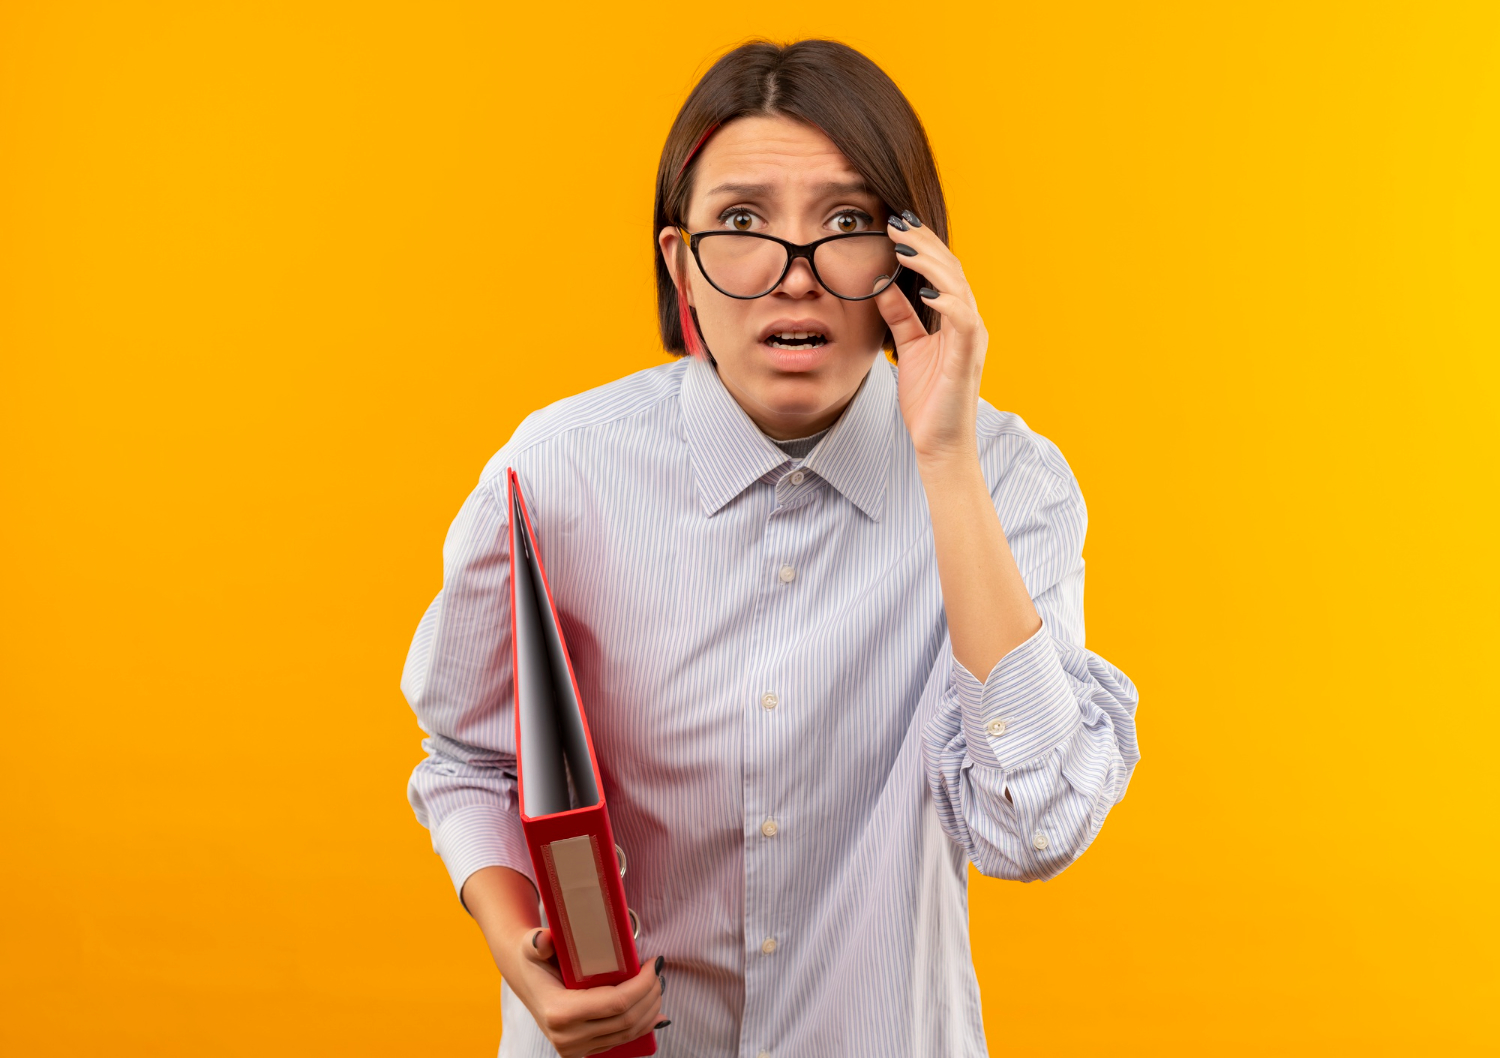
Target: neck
x=791, y=428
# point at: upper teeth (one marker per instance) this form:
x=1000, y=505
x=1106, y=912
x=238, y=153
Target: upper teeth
x=799, y=334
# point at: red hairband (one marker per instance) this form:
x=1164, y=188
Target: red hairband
x=696, y=148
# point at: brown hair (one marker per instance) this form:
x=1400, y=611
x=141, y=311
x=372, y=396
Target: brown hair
x=836, y=90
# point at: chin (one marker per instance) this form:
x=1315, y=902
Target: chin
x=792, y=398
x=788, y=387
x=801, y=393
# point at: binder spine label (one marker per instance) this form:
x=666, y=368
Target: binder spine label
x=588, y=928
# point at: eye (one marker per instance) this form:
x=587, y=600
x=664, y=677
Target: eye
x=851, y=220
x=741, y=220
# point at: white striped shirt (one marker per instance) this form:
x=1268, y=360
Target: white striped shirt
x=795, y=764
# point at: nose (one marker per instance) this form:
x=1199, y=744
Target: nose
x=799, y=281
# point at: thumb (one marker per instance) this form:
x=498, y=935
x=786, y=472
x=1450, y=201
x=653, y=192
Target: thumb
x=538, y=945
x=906, y=326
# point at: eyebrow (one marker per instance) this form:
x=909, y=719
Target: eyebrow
x=856, y=187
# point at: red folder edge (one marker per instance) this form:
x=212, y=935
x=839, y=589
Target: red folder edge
x=593, y=820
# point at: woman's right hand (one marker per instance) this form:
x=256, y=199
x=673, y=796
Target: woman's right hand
x=577, y=1021
x=580, y=1021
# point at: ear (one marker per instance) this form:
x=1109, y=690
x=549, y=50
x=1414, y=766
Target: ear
x=674, y=252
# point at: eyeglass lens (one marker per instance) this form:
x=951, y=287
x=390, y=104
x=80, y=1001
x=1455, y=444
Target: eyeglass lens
x=748, y=267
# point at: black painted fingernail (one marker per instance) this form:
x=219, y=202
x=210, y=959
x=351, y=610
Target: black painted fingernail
x=663, y=1024
x=896, y=222
x=536, y=937
x=911, y=218
x=663, y=980
x=661, y=960
x=905, y=250
x=928, y=292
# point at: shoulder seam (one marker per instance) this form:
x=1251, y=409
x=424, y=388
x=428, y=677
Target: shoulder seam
x=626, y=413
x=1010, y=424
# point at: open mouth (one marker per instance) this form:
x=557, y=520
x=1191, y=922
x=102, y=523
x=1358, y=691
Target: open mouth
x=795, y=340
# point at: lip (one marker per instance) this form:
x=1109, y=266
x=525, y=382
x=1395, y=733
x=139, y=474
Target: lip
x=788, y=324
x=796, y=359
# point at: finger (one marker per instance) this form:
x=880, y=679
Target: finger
x=638, y=1021
x=538, y=945
x=645, y=983
x=637, y=1026
x=649, y=1001
x=637, y=1012
x=906, y=326
x=607, y=1002
x=907, y=229
x=923, y=252
x=603, y=1033
x=956, y=311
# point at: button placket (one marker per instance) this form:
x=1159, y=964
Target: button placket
x=767, y=729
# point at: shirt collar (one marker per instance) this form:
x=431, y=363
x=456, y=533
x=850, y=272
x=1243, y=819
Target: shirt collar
x=729, y=452
x=856, y=454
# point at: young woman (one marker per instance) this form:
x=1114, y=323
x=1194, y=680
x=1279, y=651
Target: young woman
x=826, y=615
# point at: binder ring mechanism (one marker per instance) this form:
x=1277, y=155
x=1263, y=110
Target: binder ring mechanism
x=635, y=920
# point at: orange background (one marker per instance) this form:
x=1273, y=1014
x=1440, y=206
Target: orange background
x=276, y=279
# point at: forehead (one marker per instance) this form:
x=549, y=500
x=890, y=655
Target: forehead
x=776, y=152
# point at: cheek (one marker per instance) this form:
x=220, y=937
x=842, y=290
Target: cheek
x=865, y=320
x=724, y=321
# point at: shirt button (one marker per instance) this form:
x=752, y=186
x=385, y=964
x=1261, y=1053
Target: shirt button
x=769, y=700
x=768, y=945
x=995, y=727
x=768, y=828
x=798, y=477
x=1039, y=841
x=787, y=574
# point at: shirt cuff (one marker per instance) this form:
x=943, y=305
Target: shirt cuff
x=1022, y=710
x=476, y=836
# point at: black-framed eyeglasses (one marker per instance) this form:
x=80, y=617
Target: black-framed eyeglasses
x=854, y=266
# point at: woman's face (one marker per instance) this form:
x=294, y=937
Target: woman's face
x=776, y=175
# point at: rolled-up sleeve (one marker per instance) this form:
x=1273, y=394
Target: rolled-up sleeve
x=1025, y=764
x=457, y=680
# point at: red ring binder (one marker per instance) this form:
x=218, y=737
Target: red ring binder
x=578, y=866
